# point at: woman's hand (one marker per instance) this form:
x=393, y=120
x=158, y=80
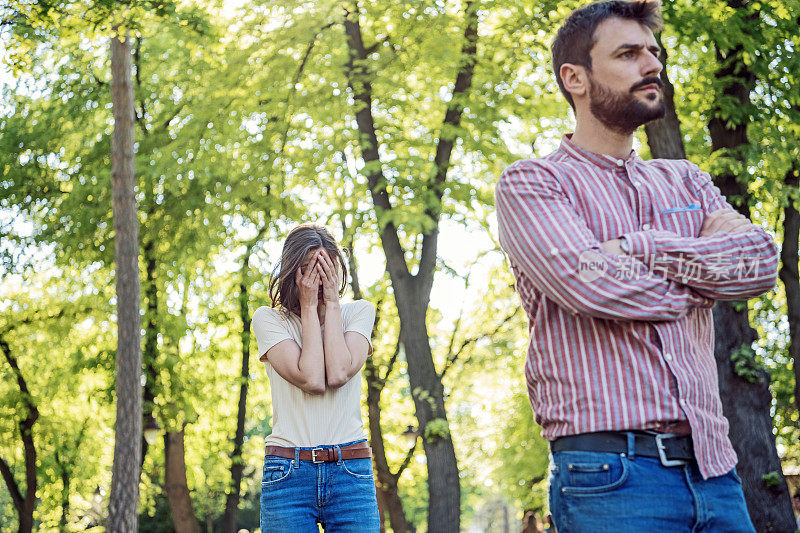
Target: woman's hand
x=308, y=283
x=329, y=277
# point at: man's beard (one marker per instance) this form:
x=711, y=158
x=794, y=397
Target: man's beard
x=624, y=112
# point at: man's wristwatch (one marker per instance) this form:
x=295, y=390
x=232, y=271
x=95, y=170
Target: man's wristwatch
x=624, y=245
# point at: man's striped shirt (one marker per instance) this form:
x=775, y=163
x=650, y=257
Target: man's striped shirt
x=622, y=342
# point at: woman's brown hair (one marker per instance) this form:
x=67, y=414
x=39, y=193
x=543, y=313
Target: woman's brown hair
x=300, y=241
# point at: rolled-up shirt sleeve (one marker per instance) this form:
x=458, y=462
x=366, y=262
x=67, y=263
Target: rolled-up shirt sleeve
x=547, y=241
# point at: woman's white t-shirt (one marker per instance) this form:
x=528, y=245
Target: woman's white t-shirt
x=300, y=418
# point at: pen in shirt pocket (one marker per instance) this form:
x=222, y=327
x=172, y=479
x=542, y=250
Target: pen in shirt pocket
x=692, y=207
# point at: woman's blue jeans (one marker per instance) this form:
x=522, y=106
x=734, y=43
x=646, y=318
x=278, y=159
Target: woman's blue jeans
x=620, y=492
x=297, y=495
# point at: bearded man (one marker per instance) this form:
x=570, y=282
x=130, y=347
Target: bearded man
x=618, y=262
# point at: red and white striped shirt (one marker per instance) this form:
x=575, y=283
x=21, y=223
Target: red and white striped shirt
x=625, y=341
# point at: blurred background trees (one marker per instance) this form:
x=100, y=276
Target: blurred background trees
x=389, y=122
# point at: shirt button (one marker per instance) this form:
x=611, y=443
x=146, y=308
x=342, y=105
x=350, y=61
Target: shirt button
x=645, y=226
x=636, y=183
x=553, y=251
x=668, y=356
x=682, y=402
x=620, y=163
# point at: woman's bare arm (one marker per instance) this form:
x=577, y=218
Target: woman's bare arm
x=303, y=368
x=345, y=353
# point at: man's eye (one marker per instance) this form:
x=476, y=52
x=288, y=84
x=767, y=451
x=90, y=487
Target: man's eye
x=626, y=55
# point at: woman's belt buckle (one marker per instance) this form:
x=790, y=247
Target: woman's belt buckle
x=662, y=451
x=314, y=455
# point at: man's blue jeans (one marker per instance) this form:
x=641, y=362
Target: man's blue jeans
x=296, y=495
x=593, y=492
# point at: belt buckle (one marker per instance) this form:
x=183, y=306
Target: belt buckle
x=662, y=455
x=314, y=455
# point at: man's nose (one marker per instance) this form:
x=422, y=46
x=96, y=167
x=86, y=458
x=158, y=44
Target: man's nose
x=652, y=65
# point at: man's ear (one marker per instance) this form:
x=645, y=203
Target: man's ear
x=575, y=79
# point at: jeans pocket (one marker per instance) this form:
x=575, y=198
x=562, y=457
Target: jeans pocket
x=735, y=475
x=593, y=473
x=358, y=468
x=276, y=469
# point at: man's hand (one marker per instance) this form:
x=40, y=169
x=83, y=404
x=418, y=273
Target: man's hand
x=612, y=247
x=725, y=221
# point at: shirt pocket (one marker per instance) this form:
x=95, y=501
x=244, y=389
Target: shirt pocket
x=683, y=220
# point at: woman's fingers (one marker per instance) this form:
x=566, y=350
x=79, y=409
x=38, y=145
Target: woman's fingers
x=321, y=273
x=326, y=265
x=330, y=268
x=310, y=270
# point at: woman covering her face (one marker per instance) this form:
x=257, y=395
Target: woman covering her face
x=317, y=468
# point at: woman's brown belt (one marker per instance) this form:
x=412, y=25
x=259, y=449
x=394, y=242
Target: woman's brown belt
x=328, y=454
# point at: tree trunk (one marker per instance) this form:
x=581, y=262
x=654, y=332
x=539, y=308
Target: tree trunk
x=789, y=274
x=64, y=474
x=150, y=344
x=412, y=292
x=387, y=482
x=746, y=404
x=24, y=504
x=443, y=482
x=176, y=486
x=664, y=135
x=123, y=506
x=237, y=464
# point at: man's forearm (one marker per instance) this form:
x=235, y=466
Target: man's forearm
x=723, y=266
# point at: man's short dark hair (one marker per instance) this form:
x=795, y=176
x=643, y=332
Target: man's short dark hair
x=575, y=38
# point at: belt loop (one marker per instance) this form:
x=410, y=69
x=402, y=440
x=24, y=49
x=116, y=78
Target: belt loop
x=297, y=457
x=631, y=444
x=338, y=454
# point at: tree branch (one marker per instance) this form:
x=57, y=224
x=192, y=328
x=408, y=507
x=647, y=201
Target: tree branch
x=406, y=461
x=359, y=82
x=390, y=364
x=447, y=137
x=26, y=434
x=351, y=259
x=165, y=123
x=296, y=80
x=140, y=120
x=453, y=356
x=13, y=488
x=32, y=413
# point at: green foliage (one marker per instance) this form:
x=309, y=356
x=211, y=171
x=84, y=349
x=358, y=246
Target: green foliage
x=436, y=429
x=522, y=457
x=772, y=479
x=245, y=127
x=744, y=364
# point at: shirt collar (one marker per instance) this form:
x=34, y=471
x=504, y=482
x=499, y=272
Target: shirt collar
x=601, y=160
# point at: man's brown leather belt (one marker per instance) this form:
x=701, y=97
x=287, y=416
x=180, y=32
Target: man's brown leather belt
x=670, y=449
x=328, y=454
